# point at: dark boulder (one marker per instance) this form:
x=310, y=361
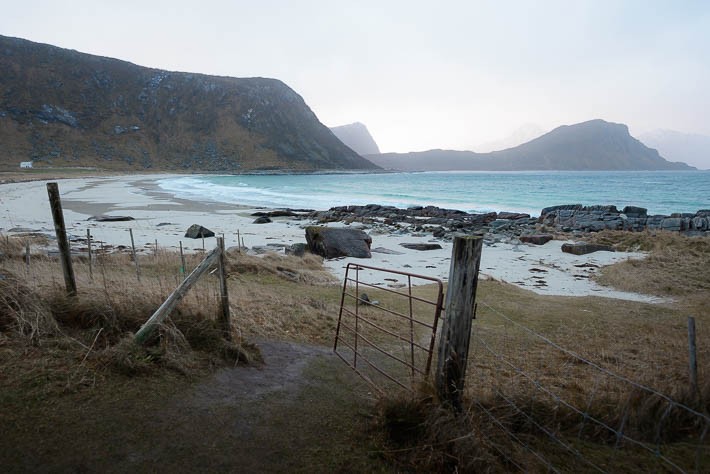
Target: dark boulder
x=262, y=220
x=333, y=242
x=421, y=247
x=633, y=211
x=196, y=231
x=513, y=215
x=297, y=250
x=110, y=218
x=582, y=248
x=538, y=239
x=277, y=213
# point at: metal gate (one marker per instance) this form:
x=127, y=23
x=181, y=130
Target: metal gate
x=368, y=315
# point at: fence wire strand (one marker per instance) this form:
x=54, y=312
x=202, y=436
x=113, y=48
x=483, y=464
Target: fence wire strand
x=519, y=374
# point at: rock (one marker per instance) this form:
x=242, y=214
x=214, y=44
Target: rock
x=672, y=223
x=110, y=218
x=277, y=213
x=513, y=215
x=700, y=223
x=421, y=247
x=164, y=224
x=582, y=248
x=386, y=251
x=333, y=242
x=633, y=211
x=297, y=250
x=262, y=220
x=537, y=239
x=196, y=231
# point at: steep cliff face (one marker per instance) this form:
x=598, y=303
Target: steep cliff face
x=357, y=137
x=592, y=145
x=60, y=107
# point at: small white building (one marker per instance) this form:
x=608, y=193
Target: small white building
x=26, y=164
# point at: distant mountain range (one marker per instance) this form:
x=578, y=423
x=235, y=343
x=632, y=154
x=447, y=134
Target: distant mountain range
x=690, y=148
x=357, y=137
x=520, y=135
x=59, y=107
x=592, y=145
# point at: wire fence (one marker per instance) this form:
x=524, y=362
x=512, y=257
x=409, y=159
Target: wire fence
x=546, y=408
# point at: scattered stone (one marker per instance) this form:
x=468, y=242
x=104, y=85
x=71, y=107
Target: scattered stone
x=196, y=231
x=276, y=213
x=583, y=248
x=297, y=250
x=538, y=270
x=332, y=242
x=364, y=299
x=386, y=251
x=421, y=247
x=110, y=218
x=164, y=224
x=537, y=239
x=262, y=220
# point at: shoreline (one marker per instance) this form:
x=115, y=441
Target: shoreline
x=160, y=215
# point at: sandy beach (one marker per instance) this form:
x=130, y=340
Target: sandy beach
x=160, y=215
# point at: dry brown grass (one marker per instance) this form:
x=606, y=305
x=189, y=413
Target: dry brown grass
x=677, y=265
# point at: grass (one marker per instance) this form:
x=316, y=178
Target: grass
x=294, y=299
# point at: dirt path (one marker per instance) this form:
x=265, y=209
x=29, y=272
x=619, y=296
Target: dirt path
x=302, y=411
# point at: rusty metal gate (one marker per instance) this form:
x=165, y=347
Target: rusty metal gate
x=383, y=321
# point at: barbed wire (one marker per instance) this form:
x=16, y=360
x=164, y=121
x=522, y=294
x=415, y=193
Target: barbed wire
x=536, y=384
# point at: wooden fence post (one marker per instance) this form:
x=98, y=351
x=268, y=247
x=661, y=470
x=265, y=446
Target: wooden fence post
x=135, y=257
x=456, y=329
x=175, y=297
x=64, y=249
x=88, y=244
x=183, y=269
x=27, y=258
x=692, y=355
x=224, y=296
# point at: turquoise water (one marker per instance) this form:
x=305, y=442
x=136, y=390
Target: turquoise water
x=661, y=192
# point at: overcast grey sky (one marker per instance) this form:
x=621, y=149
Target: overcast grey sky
x=420, y=75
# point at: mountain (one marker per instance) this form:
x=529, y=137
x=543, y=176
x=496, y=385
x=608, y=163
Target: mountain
x=520, y=135
x=592, y=145
x=690, y=148
x=357, y=137
x=60, y=107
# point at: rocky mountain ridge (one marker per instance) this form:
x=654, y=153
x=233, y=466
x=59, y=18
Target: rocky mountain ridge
x=592, y=145
x=60, y=107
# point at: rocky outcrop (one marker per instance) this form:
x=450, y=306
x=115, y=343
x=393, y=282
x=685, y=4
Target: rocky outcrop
x=60, y=107
x=333, y=242
x=578, y=218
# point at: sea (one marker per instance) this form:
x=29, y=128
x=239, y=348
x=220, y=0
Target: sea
x=661, y=192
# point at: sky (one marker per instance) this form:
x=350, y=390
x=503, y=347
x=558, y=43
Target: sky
x=419, y=75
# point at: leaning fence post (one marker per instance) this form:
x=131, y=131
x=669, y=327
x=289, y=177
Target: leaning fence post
x=224, y=296
x=692, y=355
x=456, y=329
x=64, y=250
x=135, y=257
